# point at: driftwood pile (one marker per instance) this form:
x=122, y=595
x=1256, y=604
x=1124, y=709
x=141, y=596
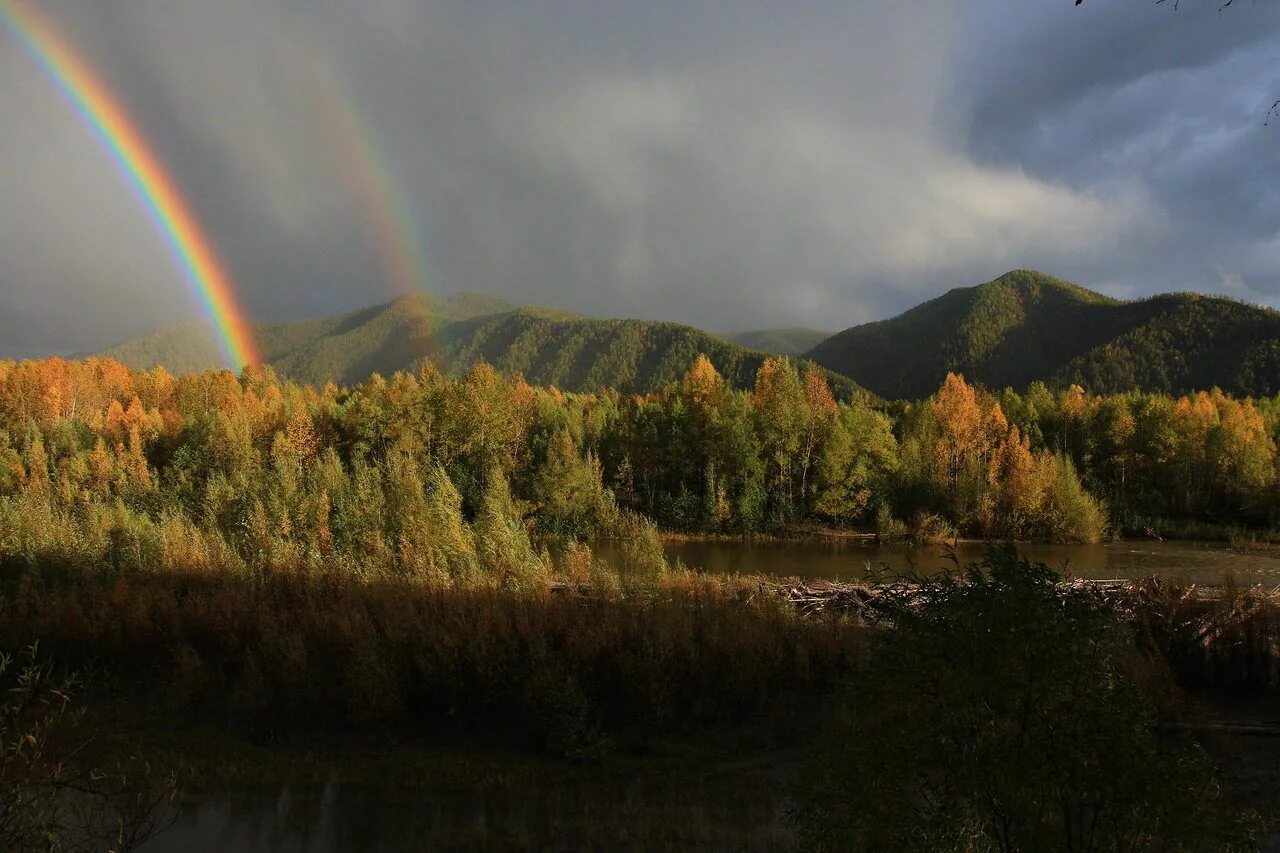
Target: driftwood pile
x=811, y=597
x=1216, y=636
x=814, y=596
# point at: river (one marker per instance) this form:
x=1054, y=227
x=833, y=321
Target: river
x=839, y=558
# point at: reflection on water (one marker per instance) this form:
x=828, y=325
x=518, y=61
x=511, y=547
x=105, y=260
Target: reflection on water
x=854, y=559
x=714, y=814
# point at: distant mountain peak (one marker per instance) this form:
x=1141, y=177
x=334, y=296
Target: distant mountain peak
x=785, y=341
x=1026, y=326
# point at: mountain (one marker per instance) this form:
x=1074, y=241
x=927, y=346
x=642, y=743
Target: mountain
x=1026, y=326
x=549, y=347
x=345, y=348
x=794, y=341
x=574, y=352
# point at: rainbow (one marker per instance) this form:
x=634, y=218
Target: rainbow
x=369, y=173
x=108, y=120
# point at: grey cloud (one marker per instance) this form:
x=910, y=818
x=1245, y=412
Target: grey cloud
x=729, y=165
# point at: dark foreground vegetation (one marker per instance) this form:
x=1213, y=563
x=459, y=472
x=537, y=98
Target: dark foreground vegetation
x=414, y=557
x=992, y=709
x=1005, y=711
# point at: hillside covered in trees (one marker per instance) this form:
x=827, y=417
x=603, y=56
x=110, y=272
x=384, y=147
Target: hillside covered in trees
x=572, y=352
x=1021, y=328
x=1026, y=326
x=345, y=348
x=790, y=341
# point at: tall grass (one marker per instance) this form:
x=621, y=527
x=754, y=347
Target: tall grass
x=298, y=651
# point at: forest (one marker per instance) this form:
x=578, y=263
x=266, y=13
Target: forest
x=257, y=468
x=545, y=346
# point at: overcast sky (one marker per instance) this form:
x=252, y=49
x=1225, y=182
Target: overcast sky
x=729, y=165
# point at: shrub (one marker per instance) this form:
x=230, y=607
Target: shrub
x=998, y=711
x=51, y=798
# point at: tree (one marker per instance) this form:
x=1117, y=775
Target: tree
x=966, y=429
x=783, y=416
x=502, y=543
x=570, y=490
x=37, y=479
x=703, y=387
x=1013, y=497
x=857, y=461
x=51, y=796
x=819, y=420
x=452, y=541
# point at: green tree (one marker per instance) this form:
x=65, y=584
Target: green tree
x=858, y=459
x=572, y=499
x=783, y=416
x=502, y=542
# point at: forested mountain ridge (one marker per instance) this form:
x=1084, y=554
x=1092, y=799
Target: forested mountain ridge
x=1187, y=342
x=549, y=347
x=789, y=341
x=1020, y=328
x=1026, y=326
x=343, y=348
x=581, y=353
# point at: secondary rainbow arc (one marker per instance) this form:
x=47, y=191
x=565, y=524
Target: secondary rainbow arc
x=371, y=175
x=109, y=121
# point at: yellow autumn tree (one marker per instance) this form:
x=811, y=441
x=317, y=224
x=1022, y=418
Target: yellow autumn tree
x=782, y=414
x=819, y=420
x=963, y=430
x=702, y=386
x=1013, y=491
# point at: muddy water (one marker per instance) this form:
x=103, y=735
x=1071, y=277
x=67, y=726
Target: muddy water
x=856, y=559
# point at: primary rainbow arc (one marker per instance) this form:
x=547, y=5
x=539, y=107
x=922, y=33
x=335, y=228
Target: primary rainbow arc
x=122, y=138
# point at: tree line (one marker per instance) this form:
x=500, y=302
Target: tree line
x=275, y=468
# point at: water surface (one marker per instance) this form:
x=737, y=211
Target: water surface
x=715, y=813
x=857, y=559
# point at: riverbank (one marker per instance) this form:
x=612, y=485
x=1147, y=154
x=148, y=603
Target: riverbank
x=1236, y=538
x=861, y=559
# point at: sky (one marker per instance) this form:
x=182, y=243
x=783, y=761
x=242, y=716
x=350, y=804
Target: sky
x=733, y=165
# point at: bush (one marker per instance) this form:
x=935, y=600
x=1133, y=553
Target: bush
x=887, y=526
x=50, y=797
x=1071, y=513
x=997, y=711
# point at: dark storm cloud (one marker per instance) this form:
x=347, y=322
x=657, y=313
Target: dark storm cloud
x=729, y=165
x=1174, y=99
